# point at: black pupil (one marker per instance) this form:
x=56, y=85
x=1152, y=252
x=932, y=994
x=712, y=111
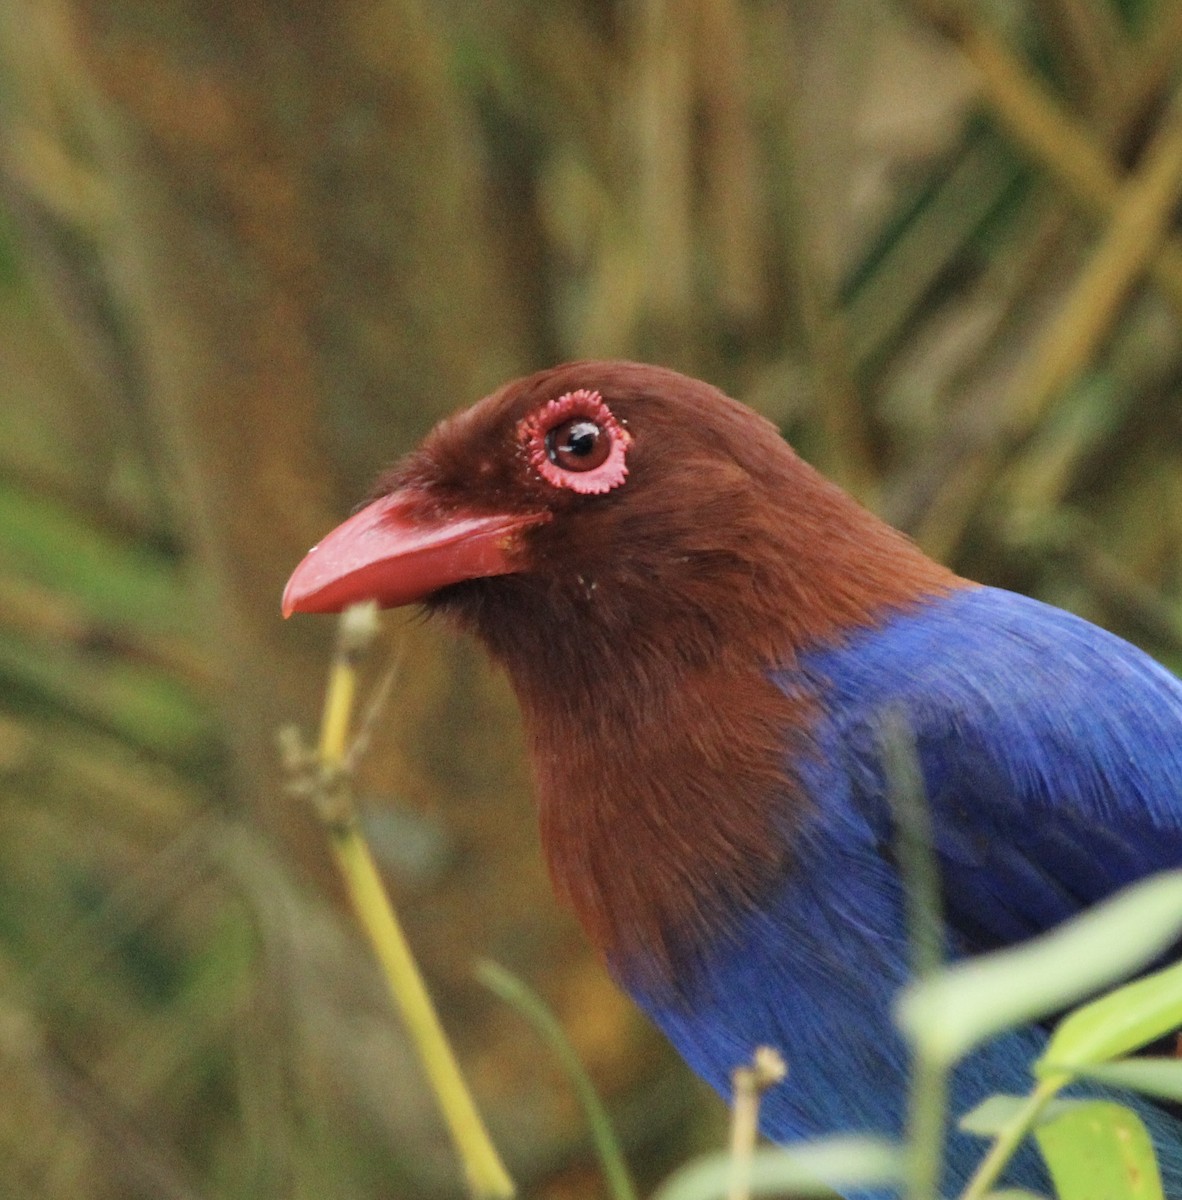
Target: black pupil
x=580, y=439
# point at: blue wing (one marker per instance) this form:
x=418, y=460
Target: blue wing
x=1051, y=752
x=1052, y=757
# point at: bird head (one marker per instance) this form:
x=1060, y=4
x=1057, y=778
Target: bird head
x=640, y=551
x=615, y=497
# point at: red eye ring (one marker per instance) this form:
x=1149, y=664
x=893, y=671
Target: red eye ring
x=575, y=442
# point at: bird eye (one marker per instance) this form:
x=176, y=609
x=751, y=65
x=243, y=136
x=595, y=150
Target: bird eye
x=575, y=442
x=578, y=445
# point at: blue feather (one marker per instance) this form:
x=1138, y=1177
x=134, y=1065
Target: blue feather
x=1051, y=752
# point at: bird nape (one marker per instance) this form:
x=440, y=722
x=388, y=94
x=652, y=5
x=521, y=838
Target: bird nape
x=702, y=633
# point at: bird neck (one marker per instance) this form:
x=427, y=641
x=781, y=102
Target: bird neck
x=662, y=751
x=666, y=806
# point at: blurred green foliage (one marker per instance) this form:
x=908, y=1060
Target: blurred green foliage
x=249, y=253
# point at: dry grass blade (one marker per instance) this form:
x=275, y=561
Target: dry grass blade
x=139, y=1163
x=1086, y=38
x=1139, y=222
x=662, y=117
x=1043, y=128
x=837, y=401
x=1157, y=59
x=1077, y=332
x=730, y=173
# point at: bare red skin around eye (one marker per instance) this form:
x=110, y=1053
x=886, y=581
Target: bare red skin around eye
x=579, y=405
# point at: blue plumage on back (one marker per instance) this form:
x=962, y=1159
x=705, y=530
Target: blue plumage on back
x=1051, y=753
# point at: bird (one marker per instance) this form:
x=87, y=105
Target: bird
x=702, y=633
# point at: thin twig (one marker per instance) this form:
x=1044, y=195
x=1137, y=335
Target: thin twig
x=1010, y=1138
x=766, y=1069
x=330, y=790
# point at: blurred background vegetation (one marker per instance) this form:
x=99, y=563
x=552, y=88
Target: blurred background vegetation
x=250, y=250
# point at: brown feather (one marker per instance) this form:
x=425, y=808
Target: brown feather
x=640, y=636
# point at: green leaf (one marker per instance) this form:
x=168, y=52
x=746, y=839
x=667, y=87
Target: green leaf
x=809, y=1169
x=1124, y=1020
x=992, y=1116
x=1159, y=1077
x=1014, y=1194
x=1100, y=1151
x=954, y=1010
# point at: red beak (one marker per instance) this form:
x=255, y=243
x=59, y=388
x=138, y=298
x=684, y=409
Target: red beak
x=385, y=553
